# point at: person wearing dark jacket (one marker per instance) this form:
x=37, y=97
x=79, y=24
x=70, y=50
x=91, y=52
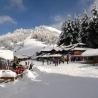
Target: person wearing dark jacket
x=31, y=65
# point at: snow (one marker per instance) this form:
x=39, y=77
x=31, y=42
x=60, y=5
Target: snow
x=90, y=52
x=48, y=81
x=32, y=41
x=51, y=47
x=21, y=56
x=53, y=29
x=51, y=85
x=31, y=46
x=31, y=75
x=71, y=69
x=78, y=48
x=48, y=55
x=6, y=54
x=45, y=34
x=42, y=33
x=7, y=73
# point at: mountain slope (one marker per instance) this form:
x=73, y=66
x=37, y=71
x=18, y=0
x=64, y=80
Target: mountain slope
x=44, y=34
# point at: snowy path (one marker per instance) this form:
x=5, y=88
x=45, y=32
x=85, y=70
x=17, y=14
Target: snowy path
x=51, y=85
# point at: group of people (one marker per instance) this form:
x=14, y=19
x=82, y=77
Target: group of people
x=19, y=68
x=29, y=65
x=55, y=61
x=74, y=59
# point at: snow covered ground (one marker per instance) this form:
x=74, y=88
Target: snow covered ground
x=54, y=82
x=72, y=69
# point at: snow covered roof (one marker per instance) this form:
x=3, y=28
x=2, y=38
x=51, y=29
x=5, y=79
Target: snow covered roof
x=21, y=56
x=81, y=44
x=90, y=52
x=53, y=55
x=6, y=54
x=49, y=48
x=79, y=48
x=74, y=47
x=7, y=73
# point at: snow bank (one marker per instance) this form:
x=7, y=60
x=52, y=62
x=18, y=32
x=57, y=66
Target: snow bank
x=7, y=73
x=31, y=74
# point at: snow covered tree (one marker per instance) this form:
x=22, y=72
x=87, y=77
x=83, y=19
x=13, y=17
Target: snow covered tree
x=84, y=28
x=93, y=30
x=81, y=29
x=66, y=35
x=62, y=35
x=70, y=32
x=76, y=30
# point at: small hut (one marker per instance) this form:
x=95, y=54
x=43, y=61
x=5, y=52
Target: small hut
x=6, y=56
x=90, y=56
x=50, y=50
x=74, y=51
x=78, y=49
x=76, y=54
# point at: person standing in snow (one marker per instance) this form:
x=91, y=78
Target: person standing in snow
x=56, y=61
x=43, y=61
x=67, y=58
x=25, y=63
x=14, y=65
x=31, y=65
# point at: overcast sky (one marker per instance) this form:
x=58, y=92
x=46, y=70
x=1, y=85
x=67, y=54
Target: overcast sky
x=30, y=13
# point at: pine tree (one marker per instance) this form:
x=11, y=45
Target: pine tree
x=63, y=34
x=76, y=30
x=70, y=32
x=81, y=29
x=93, y=30
x=67, y=31
x=84, y=28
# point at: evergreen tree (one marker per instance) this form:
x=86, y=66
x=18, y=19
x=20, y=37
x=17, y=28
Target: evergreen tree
x=76, y=30
x=70, y=32
x=66, y=35
x=84, y=28
x=93, y=30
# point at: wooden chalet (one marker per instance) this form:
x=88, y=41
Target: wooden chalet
x=74, y=51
